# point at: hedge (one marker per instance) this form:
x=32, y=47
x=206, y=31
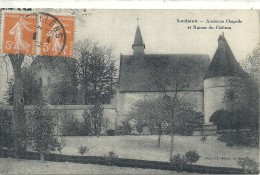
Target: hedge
x=122, y=162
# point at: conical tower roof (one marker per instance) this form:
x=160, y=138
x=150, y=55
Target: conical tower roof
x=138, y=37
x=224, y=63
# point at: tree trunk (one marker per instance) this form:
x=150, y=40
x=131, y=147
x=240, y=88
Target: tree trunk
x=95, y=124
x=95, y=81
x=95, y=96
x=83, y=95
x=171, y=150
x=18, y=105
x=159, y=141
x=98, y=132
x=159, y=135
x=172, y=124
x=42, y=158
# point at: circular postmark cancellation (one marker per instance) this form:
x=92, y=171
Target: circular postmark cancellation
x=50, y=27
x=39, y=33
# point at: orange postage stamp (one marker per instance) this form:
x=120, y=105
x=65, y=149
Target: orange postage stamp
x=57, y=35
x=19, y=33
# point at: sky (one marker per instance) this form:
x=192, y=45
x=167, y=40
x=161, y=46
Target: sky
x=162, y=34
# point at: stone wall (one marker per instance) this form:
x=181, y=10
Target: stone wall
x=126, y=100
x=77, y=111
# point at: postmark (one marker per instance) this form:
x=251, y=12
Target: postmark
x=57, y=35
x=38, y=33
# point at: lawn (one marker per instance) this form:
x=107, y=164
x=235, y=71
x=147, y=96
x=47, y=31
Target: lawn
x=212, y=152
x=13, y=166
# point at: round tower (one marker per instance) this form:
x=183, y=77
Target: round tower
x=214, y=92
x=222, y=67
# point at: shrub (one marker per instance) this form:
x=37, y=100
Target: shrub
x=238, y=119
x=6, y=133
x=88, y=124
x=192, y=156
x=83, y=149
x=223, y=119
x=110, y=158
x=178, y=162
x=110, y=132
x=248, y=138
x=228, y=137
x=249, y=166
x=61, y=146
x=190, y=122
x=70, y=125
x=203, y=138
x=127, y=127
x=96, y=112
x=94, y=120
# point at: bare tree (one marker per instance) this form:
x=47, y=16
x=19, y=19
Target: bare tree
x=176, y=77
x=96, y=72
x=152, y=113
x=179, y=110
x=171, y=78
x=176, y=113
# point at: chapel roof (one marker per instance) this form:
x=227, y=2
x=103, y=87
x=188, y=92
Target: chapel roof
x=152, y=71
x=224, y=62
x=138, y=37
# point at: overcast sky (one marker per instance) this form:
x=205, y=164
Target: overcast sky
x=162, y=34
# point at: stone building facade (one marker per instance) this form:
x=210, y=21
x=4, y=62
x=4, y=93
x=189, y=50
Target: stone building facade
x=140, y=73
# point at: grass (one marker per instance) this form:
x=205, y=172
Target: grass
x=212, y=152
x=13, y=166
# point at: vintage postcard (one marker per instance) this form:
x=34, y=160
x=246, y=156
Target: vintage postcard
x=129, y=91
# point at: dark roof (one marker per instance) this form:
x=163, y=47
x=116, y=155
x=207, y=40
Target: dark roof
x=224, y=62
x=138, y=38
x=152, y=72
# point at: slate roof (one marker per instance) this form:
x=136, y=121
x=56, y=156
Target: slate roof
x=150, y=72
x=224, y=62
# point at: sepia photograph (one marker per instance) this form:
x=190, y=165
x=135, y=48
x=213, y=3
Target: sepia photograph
x=129, y=91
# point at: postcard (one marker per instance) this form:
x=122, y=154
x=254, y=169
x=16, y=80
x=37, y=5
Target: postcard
x=129, y=91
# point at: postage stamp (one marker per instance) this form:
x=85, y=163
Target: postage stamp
x=57, y=35
x=38, y=33
x=19, y=34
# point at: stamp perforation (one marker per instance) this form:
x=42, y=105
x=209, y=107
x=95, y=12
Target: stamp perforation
x=59, y=33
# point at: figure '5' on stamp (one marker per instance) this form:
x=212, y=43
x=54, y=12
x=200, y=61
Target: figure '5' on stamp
x=19, y=34
x=57, y=35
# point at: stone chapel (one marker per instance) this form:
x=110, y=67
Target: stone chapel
x=141, y=76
